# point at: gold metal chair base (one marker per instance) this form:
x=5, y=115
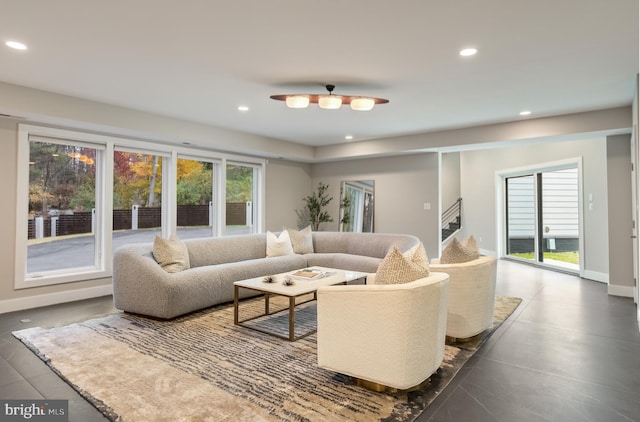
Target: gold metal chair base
x=380, y=388
x=450, y=339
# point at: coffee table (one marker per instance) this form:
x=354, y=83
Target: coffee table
x=302, y=286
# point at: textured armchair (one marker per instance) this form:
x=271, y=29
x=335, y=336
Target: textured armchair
x=472, y=290
x=392, y=335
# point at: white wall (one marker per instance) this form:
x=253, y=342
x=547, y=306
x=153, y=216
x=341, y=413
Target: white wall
x=478, y=187
x=403, y=184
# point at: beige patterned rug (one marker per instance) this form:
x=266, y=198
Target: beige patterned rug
x=201, y=367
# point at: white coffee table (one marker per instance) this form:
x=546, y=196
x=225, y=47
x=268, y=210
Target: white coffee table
x=301, y=287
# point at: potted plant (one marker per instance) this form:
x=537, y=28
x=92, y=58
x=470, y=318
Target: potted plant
x=316, y=204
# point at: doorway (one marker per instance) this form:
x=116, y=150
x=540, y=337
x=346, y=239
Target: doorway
x=542, y=216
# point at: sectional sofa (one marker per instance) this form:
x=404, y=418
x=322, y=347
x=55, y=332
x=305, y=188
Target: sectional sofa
x=142, y=286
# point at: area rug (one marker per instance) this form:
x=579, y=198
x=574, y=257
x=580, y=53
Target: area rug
x=201, y=367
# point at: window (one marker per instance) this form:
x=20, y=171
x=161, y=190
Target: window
x=243, y=200
x=81, y=196
x=195, y=193
x=59, y=229
x=137, y=196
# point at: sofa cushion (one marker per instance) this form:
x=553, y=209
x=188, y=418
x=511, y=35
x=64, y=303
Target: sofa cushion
x=343, y=261
x=457, y=252
x=301, y=240
x=171, y=254
x=279, y=245
x=396, y=268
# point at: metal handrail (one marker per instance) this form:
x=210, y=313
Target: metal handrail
x=453, y=214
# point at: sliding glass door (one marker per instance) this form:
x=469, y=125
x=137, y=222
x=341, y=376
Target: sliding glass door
x=543, y=218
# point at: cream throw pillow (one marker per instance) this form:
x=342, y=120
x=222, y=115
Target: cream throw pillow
x=171, y=254
x=458, y=252
x=418, y=255
x=396, y=268
x=301, y=240
x=278, y=245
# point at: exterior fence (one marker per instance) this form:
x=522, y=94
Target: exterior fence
x=237, y=214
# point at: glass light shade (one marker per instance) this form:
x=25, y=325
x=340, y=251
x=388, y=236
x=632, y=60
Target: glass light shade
x=330, y=101
x=362, y=104
x=298, y=101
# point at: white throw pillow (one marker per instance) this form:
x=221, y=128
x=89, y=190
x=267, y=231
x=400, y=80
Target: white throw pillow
x=395, y=268
x=279, y=245
x=301, y=240
x=171, y=254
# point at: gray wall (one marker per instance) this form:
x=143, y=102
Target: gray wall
x=450, y=178
x=478, y=187
x=402, y=185
x=287, y=183
x=620, y=211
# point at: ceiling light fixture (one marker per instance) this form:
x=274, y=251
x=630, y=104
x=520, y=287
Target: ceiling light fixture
x=525, y=113
x=329, y=101
x=468, y=51
x=16, y=45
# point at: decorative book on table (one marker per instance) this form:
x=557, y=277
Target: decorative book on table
x=310, y=274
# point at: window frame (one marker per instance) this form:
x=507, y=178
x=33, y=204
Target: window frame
x=107, y=145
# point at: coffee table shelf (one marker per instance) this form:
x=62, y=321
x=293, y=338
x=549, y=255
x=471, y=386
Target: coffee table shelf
x=300, y=287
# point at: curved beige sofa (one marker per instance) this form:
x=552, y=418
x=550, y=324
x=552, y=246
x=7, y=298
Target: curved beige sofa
x=388, y=334
x=472, y=291
x=141, y=286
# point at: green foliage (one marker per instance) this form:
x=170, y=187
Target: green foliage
x=316, y=204
x=84, y=198
x=239, y=183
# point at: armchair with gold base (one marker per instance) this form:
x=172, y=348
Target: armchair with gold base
x=389, y=335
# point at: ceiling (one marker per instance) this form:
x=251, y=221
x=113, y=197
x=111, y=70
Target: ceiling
x=199, y=60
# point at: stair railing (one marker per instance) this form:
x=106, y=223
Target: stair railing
x=451, y=219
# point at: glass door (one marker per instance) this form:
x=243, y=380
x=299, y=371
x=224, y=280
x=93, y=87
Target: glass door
x=543, y=219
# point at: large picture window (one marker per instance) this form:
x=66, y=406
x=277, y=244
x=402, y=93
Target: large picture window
x=83, y=195
x=60, y=209
x=243, y=203
x=137, y=196
x=195, y=192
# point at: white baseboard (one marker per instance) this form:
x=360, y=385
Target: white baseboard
x=487, y=252
x=595, y=276
x=624, y=291
x=11, y=305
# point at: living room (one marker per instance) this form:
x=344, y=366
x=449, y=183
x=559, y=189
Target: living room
x=415, y=172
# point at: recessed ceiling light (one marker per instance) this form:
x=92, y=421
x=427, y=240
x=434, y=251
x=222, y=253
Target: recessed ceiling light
x=525, y=113
x=16, y=45
x=468, y=51
x=243, y=108
x=348, y=137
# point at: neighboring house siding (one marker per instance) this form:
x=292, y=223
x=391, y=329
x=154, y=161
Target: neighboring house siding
x=559, y=207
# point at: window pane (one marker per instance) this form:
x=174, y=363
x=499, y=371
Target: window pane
x=194, y=194
x=560, y=218
x=521, y=217
x=240, y=199
x=137, y=197
x=62, y=186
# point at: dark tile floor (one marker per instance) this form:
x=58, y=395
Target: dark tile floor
x=570, y=352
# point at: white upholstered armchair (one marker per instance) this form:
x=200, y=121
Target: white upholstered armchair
x=472, y=290
x=392, y=335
